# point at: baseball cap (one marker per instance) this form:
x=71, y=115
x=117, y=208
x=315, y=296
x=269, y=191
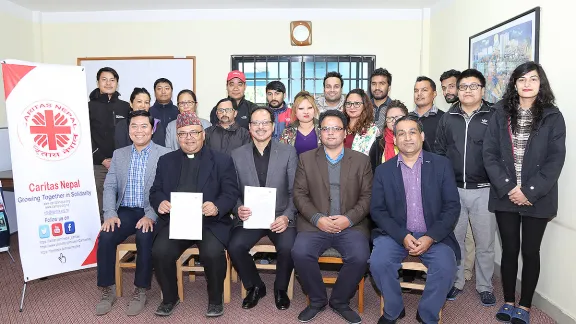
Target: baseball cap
x=236, y=74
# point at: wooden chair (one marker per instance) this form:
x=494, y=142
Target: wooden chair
x=410, y=263
x=265, y=246
x=186, y=262
x=331, y=256
x=125, y=259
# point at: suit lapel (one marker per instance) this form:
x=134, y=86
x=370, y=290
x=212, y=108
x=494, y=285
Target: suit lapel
x=272, y=163
x=399, y=184
x=153, y=156
x=322, y=165
x=426, y=178
x=205, y=169
x=177, y=170
x=249, y=163
x=124, y=169
x=345, y=167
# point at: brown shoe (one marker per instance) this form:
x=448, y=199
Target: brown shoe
x=136, y=305
x=107, y=300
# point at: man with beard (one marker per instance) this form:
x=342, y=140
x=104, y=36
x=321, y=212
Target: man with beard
x=227, y=135
x=380, y=82
x=275, y=92
x=333, y=97
x=235, y=87
x=448, y=82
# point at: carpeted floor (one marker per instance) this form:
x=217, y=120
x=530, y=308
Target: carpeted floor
x=71, y=297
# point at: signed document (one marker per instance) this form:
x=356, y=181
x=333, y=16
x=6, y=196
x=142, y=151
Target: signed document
x=262, y=204
x=186, y=216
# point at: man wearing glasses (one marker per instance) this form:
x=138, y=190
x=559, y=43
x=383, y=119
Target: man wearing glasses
x=265, y=163
x=193, y=168
x=459, y=137
x=332, y=191
x=227, y=135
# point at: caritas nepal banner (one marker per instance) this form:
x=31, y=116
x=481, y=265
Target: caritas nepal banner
x=51, y=150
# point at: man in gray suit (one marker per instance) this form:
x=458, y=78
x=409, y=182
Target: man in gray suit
x=127, y=211
x=265, y=163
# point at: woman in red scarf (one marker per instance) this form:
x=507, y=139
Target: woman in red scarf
x=383, y=148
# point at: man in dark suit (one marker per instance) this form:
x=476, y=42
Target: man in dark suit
x=415, y=208
x=332, y=191
x=193, y=168
x=265, y=163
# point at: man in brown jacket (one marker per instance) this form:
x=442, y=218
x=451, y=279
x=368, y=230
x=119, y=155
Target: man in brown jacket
x=332, y=191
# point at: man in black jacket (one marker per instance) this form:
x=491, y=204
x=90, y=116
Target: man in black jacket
x=163, y=108
x=459, y=137
x=105, y=110
x=426, y=111
x=226, y=135
x=236, y=86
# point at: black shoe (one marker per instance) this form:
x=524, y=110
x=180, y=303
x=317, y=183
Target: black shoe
x=384, y=320
x=215, y=310
x=281, y=299
x=348, y=314
x=309, y=313
x=166, y=309
x=254, y=295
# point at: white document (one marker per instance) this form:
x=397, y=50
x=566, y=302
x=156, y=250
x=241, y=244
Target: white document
x=186, y=216
x=262, y=204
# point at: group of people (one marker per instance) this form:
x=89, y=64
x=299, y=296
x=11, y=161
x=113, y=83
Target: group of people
x=355, y=172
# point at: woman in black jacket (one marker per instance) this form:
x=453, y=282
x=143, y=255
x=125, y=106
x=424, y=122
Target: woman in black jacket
x=139, y=100
x=524, y=151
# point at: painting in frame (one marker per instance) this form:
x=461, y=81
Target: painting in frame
x=497, y=51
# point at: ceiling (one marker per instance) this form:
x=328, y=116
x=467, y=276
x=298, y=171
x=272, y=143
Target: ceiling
x=113, y=5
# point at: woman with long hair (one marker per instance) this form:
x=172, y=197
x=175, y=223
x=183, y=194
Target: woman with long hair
x=139, y=100
x=524, y=150
x=383, y=148
x=303, y=133
x=361, y=131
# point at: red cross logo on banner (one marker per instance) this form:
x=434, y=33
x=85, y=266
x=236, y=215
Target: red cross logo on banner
x=50, y=130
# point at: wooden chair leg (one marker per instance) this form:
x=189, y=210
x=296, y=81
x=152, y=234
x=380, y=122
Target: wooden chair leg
x=191, y=274
x=381, y=305
x=118, y=274
x=234, y=274
x=307, y=300
x=179, y=279
x=361, y=296
x=243, y=290
x=227, y=281
x=440, y=316
x=291, y=286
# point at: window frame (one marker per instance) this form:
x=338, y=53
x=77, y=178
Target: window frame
x=237, y=62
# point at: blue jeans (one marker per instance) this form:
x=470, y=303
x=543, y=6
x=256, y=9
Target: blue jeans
x=385, y=262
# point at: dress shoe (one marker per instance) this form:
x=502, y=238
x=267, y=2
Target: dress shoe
x=384, y=320
x=254, y=295
x=350, y=316
x=281, y=299
x=309, y=313
x=215, y=310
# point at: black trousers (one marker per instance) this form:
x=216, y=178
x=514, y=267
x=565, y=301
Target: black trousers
x=108, y=241
x=165, y=252
x=352, y=244
x=244, y=239
x=510, y=225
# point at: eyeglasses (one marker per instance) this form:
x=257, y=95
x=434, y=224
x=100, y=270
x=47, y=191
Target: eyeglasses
x=356, y=104
x=187, y=103
x=264, y=123
x=393, y=118
x=472, y=86
x=189, y=134
x=329, y=129
x=224, y=110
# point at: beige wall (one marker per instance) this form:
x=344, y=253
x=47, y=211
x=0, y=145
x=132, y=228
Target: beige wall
x=450, y=29
x=17, y=39
x=213, y=42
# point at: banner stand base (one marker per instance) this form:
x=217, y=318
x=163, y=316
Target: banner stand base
x=22, y=299
x=10, y=254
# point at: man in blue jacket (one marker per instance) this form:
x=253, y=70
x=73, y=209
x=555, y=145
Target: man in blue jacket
x=415, y=207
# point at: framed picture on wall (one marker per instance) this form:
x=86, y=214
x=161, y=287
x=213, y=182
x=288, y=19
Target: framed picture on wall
x=497, y=51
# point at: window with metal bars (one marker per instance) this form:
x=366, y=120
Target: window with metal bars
x=301, y=72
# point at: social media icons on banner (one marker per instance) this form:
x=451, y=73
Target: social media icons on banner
x=56, y=229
